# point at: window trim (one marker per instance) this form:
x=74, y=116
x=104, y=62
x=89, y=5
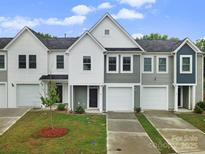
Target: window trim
x=105, y=33
x=152, y=63
x=57, y=62
x=167, y=64
x=181, y=65
x=29, y=61
x=87, y=63
x=19, y=61
x=3, y=69
x=131, y=64
x=117, y=64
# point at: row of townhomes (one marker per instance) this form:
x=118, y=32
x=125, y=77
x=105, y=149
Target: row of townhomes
x=104, y=69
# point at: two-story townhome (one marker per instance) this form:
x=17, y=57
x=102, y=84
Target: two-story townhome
x=104, y=69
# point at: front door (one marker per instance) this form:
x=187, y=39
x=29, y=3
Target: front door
x=93, y=97
x=59, y=89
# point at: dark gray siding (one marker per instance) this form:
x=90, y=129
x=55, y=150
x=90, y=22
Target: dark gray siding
x=137, y=96
x=186, y=78
x=80, y=96
x=3, y=76
x=124, y=77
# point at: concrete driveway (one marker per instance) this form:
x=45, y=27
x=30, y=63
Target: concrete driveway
x=182, y=136
x=125, y=135
x=9, y=116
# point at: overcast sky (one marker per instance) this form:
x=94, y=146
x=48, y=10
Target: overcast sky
x=176, y=18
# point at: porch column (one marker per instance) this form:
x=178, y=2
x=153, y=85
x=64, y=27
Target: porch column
x=176, y=98
x=101, y=98
x=193, y=97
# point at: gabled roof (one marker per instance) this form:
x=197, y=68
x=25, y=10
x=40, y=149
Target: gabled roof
x=123, y=49
x=54, y=77
x=159, y=45
x=81, y=37
x=4, y=42
x=119, y=26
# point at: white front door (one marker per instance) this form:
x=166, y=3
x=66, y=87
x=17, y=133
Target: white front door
x=28, y=95
x=3, y=99
x=119, y=99
x=154, y=98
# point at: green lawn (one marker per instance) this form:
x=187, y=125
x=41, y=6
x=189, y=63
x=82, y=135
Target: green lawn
x=197, y=120
x=159, y=142
x=87, y=134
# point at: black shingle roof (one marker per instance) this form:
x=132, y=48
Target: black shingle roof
x=54, y=77
x=4, y=42
x=159, y=45
x=123, y=49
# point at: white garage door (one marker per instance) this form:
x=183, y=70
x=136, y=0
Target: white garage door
x=28, y=95
x=3, y=101
x=154, y=98
x=119, y=99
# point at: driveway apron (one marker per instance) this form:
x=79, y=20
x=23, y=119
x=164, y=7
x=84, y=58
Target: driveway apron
x=182, y=136
x=125, y=135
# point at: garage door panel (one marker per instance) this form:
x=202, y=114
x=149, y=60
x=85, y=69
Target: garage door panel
x=154, y=98
x=28, y=95
x=119, y=99
x=3, y=101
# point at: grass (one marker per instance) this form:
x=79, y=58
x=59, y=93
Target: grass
x=87, y=134
x=158, y=140
x=197, y=120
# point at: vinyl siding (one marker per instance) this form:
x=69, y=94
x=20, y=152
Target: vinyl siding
x=199, y=86
x=80, y=96
x=3, y=76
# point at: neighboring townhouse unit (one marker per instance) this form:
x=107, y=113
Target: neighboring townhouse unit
x=104, y=69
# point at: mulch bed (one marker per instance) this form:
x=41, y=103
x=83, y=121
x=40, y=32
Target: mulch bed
x=50, y=132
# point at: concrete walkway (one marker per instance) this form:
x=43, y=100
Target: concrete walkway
x=182, y=136
x=9, y=116
x=126, y=136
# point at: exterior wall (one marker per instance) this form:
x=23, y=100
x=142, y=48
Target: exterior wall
x=80, y=96
x=186, y=97
x=186, y=78
x=86, y=47
x=3, y=73
x=137, y=96
x=104, y=98
x=124, y=77
x=65, y=93
x=199, y=87
x=171, y=97
x=116, y=38
x=52, y=69
x=25, y=44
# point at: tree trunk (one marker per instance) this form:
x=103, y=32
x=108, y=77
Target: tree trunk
x=51, y=112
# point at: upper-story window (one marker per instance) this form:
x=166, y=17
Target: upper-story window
x=2, y=62
x=112, y=64
x=60, y=61
x=32, y=61
x=126, y=64
x=86, y=63
x=107, y=32
x=22, y=61
x=185, y=64
x=148, y=65
x=162, y=64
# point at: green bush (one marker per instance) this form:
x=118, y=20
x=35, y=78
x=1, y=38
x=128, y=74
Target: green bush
x=79, y=110
x=201, y=105
x=198, y=109
x=137, y=109
x=61, y=107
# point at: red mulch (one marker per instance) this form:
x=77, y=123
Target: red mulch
x=53, y=132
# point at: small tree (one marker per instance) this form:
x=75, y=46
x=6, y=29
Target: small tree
x=50, y=98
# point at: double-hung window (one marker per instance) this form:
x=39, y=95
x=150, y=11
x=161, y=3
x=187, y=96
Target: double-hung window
x=148, y=65
x=22, y=61
x=112, y=64
x=126, y=64
x=86, y=63
x=162, y=64
x=60, y=61
x=2, y=62
x=185, y=64
x=32, y=61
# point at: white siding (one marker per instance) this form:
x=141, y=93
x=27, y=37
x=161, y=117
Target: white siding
x=117, y=37
x=86, y=47
x=25, y=44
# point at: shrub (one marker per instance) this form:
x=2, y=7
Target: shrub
x=61, y=107
x=198, y=109
x=80, y=110
x=137, y=109
x=201, y=105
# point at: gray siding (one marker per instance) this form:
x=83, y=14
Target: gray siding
x=124, y=77
x=3, y=76
x=171, y=97
x=199, y=86
x=80, y=96
x=156, y=78
x=137, y=96
x=104, y=98
x=186, y=78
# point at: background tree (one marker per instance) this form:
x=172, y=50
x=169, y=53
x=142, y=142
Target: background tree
x=157, y=36
x=45, y=35
x=50, y=98
x=200, y=43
